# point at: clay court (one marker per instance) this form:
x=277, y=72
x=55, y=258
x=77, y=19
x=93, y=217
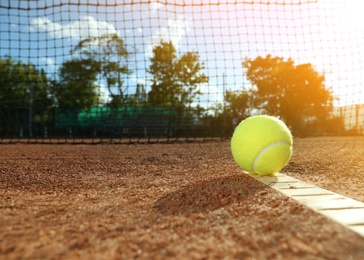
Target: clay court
x=160, y=201
x=116, y=119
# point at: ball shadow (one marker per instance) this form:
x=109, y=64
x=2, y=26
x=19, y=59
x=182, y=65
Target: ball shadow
x=208, y=195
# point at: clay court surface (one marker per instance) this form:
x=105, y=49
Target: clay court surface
x=160, y=201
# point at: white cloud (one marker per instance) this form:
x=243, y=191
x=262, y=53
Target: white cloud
x=49, y=62
x=155, y=6
x=83, y=28
x=174, y=32
x=45, y=24
x=104, y=94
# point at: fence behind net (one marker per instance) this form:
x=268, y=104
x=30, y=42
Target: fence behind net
x=125, y=71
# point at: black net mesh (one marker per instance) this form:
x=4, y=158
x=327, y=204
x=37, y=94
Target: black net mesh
x=136, y=71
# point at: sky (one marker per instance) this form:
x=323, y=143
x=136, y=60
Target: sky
x=327, y=34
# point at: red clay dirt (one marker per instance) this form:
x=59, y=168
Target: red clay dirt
x=183, y=201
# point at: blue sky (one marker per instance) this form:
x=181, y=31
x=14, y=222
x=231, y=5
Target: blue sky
x=327, y=34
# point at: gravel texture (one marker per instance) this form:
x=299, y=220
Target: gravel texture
x=161, y=201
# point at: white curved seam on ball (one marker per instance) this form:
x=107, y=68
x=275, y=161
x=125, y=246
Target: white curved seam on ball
x=266, y=149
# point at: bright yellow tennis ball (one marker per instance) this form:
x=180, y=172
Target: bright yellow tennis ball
x=262, y=144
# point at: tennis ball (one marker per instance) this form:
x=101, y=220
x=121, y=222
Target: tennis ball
x=262, y=145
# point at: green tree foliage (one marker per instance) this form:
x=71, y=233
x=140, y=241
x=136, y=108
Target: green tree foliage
x=225, y=116
x=139, y=98
x=175, y=80
x=23, y=87
x=188, y=72
x=110, y=53
x=295, y=93
x=76, y=87
x=237, y=104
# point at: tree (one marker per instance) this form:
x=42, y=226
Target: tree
x=237, y=104
x=110, y=53
x=23, y=90
x=76, y=87
x=296, y=93
x=139, y=98
x=175, y=80
x=16, y=80
x=188, y=72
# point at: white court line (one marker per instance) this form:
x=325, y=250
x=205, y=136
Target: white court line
x=346, y=211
